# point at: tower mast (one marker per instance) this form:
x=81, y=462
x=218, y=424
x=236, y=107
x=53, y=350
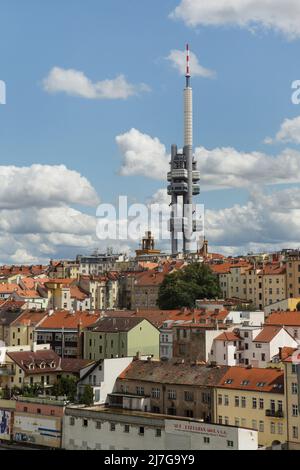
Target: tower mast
x=184, y=174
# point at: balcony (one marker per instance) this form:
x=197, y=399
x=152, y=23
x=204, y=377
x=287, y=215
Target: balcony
x=274, y=413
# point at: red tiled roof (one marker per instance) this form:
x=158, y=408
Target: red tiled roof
x=228, y=336
x=65, y=319
x=267, y=334
x=74, y=365
x=284, y=319
x=44, y=357
x=254, y=379
x=77, y=293
x=29, y=317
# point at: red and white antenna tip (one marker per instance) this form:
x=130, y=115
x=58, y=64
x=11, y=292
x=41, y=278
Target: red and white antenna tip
x=187, y=61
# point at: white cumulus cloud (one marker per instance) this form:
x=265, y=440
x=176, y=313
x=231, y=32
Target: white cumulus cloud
x=142, y=155
x=289, y=132
x=76, y=83
x=280, y=15
x=43, y=186
x=178, y=61
x=223, y=167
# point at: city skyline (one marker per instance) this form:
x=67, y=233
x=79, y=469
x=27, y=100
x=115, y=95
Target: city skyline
x=104, y=105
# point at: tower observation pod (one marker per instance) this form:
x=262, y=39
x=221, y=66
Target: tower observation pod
x=184, y=177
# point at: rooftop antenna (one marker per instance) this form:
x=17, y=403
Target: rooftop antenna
x=187, y=74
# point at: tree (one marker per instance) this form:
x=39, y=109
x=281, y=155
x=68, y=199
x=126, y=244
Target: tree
x=182, y=288
x=66, y=386
x=87, y=398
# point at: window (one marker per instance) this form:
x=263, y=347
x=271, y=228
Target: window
x=172, y=394
x=126, y=428
x=272, y=428
x=294, y=368
x=155, y=409
x=155, y=393
x=189, y=413
x=279, y=428
x=254, y=402
x=98, y=424
x=38, y=411
x=295, y=432
x=25, y=409
x=243, y=402
x=206, y=440
x=140, y=390
x=294, y=388
x=158, y=433
x=261, y=426
x=112, y=426
x=263, y=357
x=220, y=419
x=295, y=410
x=229, y=443
x=52, y=412
x=188, y=396
x=141, y=431
x=85, y=423
x=220, y=399
x=205, y=397
x=171, y=411
x=254, y=424
x=226, y=400
x=237, y=422
x=261, y=403
x=226, y=420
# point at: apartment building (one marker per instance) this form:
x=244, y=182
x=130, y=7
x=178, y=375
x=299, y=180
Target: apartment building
x=21, y=330
x=120, y=337
x=194, y=341
x=292, y=388
x=98, y=264
x=172, y=387
x=101, y=376
x=290, y=304
x=254, y=398
x=63, y=330
x=58, y=292
x=250, y=345
x=103, y=290
x=267, y=285
x=290, y=321
x=293, y=275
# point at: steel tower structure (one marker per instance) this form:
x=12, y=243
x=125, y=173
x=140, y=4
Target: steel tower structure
x=184, y=176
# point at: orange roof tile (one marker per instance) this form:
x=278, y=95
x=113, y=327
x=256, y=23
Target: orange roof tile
x=267, y=334
x=65, y=319
x=284, y=318
x=228, y=336
x=254, y=379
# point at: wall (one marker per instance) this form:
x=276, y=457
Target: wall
x=143, y=338
x=170, y=437
x=37, y=429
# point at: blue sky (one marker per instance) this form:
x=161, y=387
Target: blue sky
x=247, y=101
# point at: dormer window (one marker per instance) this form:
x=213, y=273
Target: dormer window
x=42, y=365
x=52, y=365
x=31, y=366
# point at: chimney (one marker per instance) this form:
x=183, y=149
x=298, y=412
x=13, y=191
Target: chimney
x=280, y=353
